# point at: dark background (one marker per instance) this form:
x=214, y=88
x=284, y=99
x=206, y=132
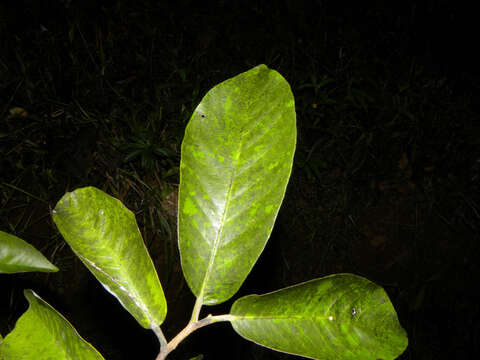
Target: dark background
x=386, y=176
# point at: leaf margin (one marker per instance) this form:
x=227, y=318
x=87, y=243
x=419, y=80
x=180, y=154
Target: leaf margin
x=144, y=312
x=203, y=296
x=380, y=294
x=21, y=247
x=36, y=301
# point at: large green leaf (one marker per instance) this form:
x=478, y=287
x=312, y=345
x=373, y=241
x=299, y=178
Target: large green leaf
x=236, y=160
x=341, y=316
x=42, y=333
x=103, y=233
x=18, y=256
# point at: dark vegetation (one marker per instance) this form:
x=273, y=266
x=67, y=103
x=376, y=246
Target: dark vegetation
x=386, y=175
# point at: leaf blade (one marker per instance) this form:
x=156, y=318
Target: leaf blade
x=342, y=316
x=237, y=156
x=16, y=255
x=42, y=333
x=104, y=234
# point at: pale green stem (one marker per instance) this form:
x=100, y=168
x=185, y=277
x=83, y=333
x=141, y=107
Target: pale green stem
x=191, y=327
x=197, y=308
x=161, y=338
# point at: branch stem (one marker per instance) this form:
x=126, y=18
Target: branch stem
x=191, y=327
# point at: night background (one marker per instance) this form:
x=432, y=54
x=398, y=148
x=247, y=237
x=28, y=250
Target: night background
x=386, y=173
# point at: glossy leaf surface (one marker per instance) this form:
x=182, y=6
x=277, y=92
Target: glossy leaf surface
x=236, y=160
x=341, y=316
x=42, y=333
x=103, y=233
x=17, y=256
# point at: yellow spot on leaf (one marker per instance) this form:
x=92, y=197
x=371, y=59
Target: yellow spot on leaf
x=189, y=207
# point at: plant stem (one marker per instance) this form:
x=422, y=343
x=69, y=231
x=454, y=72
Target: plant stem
x=191, y=327
x=196, y=309
x=161, y=338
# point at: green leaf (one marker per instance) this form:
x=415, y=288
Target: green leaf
x=341, y=316
x=17, y=256
x=42, y=333
x=103, y=233
x=236, y=160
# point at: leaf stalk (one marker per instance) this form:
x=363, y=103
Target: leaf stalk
x=191, y=327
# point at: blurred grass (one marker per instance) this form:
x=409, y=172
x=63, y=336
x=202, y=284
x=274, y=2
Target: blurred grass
x=99, y=94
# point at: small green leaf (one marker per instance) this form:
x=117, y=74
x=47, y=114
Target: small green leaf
x=237, y=157
x=103, y=233
x=42, y=333
x=341, y=316
x=17, y=256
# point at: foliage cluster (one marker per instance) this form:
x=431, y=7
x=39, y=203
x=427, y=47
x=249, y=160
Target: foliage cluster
x=237, y=157
x=387, y=153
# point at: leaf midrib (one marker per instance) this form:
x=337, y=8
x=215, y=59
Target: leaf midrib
x=132, y=295
x=222, y=223
x=284, y=317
